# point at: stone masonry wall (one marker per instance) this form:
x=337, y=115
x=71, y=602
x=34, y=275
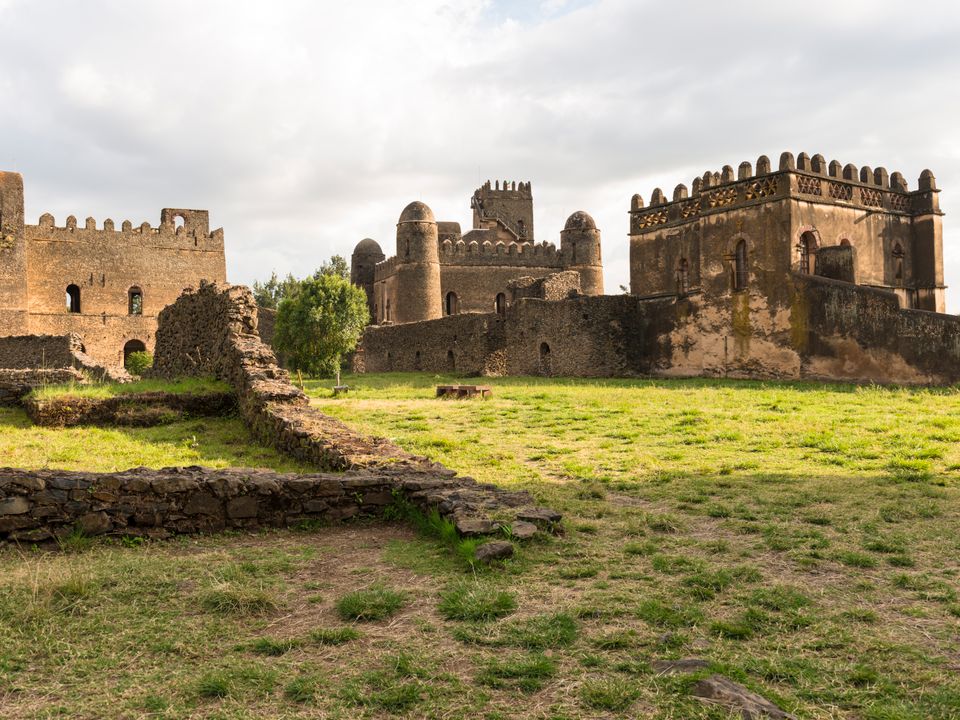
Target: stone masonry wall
x=14, y=384
x=467, y=344
x=55, y=351
x=40, y=505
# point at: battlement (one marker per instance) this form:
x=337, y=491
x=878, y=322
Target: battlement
x=178, y=228
x=513, y=254
x=805, y=178
x=510, y=189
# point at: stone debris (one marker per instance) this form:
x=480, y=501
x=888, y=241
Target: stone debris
x=492, y=551
x=724, y=691
x=522, y=530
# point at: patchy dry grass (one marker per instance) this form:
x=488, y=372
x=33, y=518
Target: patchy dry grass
x=801, y=538
x=193, y=386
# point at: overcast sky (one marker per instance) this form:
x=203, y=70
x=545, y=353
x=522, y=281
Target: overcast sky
x=306, y=126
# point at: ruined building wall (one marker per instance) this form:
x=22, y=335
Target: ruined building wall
x=104, y=265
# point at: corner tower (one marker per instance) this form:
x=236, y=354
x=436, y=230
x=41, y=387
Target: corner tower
x=418, y=265
x=580, y=247
x=364, y=259
x=13, y=257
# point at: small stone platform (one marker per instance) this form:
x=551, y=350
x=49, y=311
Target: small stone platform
x=463, y=392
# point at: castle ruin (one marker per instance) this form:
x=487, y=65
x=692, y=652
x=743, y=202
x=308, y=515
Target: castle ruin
x=439, y=271
x=107, y=284
x=812, y=270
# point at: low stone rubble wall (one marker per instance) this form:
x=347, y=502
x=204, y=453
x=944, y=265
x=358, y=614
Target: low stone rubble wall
x=32, y=352
x=131, y=409
x=42, y=505
x=213, y=331
x=14, y=384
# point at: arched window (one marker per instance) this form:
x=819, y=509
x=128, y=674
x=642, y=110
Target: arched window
x=500, y=303
x=451, y=361
x=545, y=364
x=131, y=347
x=898, y=263
x=452, y=304
x=416, y=362
x=808, y=253
x=73, y=298
x=135, y=301
x=740, y=273
x=521, y=230
x=683, y=276
x=387, y=316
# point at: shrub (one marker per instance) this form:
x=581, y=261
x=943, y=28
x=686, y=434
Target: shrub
x=138, y=363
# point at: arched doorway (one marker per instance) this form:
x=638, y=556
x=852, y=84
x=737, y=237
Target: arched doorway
x=130, y=347
x=808, y=253
x=546, y=367
x=500, y=303
x=452, y=304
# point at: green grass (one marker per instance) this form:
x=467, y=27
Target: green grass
x=802, y=538
x=194, y=386
x=376, y=602
x=212, y=442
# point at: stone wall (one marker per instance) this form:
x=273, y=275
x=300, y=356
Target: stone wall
x=129, y=409
x=14, y=384
x=40, y=505
x=467, y=344
x=556, y=286
x=55, y=351
x=39, y=351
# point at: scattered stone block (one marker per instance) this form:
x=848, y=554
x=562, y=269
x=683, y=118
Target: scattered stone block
x=540, y=516
x=724, y=691
x=523, y=530
x=474, y=526
x=495, y=550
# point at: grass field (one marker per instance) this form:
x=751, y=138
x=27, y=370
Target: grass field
x=196, y=386
x=804, y=539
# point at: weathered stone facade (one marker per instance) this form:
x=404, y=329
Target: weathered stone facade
x=439, y=271
x=812, y=271
x=105, y=284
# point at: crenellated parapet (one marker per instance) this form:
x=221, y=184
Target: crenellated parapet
x=501, y=254
x=803, y=177
x=181, y=229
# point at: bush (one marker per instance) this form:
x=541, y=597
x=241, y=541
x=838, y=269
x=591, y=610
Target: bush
x=138, y=362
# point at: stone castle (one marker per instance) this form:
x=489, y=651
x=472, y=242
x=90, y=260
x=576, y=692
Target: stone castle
x=440, y=271
x=105, y=284
x=810, y=270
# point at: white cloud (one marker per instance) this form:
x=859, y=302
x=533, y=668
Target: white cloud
x=306, y=126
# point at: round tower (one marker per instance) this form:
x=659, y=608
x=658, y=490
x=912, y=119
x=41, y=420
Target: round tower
x=365, y=256
x=580, y=245
x=418, y=265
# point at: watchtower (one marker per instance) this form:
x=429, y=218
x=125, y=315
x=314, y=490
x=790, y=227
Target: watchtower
x=509, y=206
x=13, y=256
x=418, y=265
x=363, y=261
x=580, y=247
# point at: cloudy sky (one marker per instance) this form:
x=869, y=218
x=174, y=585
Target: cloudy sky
x=304, y=126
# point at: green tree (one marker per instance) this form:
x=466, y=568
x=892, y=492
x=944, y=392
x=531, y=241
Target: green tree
x=336, y=265
x=320, y=321
x=269, y=294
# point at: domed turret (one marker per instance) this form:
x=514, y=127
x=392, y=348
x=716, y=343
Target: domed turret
x=364, y=259
x=580, y=245
x=418, y=265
